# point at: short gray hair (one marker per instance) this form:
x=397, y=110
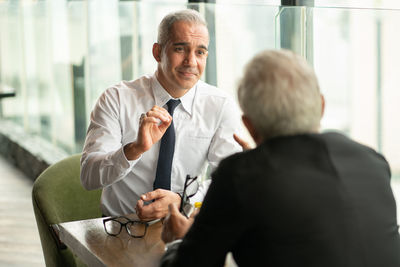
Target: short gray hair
x=280, y=94
x=189, y=15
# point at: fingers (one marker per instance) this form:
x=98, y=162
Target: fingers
x=144, y=119
x=167, y=196
x=139, y=204
x=156, y=115
x=245, y=145
x=152, y=127
x=139, y=208
x=152, y=195
x=173, y=209
x=167, y=234
x=194, y=214
x=169, y=226
x=155, y=210
x=176, y=225
x=159, y=207
x=152, y=211
x=144, y=212
x=159, y=113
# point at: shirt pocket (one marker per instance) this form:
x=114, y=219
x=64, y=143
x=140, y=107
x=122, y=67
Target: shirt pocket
x=194, y=149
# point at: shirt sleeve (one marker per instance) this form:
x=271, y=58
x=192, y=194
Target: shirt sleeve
x=223, y=144
x=216, y=228
x=103, y=160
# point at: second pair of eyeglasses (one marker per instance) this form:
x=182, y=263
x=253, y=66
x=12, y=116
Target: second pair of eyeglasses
x=138, y=229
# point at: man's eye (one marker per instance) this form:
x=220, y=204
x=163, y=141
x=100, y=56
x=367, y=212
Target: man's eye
x=178, y=49
x=202, y=52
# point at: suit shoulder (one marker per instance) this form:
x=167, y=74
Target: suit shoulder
x=336, y=140
x=339, y=144
x=242, y=162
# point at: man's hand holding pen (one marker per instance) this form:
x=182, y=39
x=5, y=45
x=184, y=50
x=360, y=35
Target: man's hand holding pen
x=158, y=208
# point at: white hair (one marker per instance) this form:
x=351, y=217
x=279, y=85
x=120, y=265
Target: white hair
x=187, y=15
x=280, y=94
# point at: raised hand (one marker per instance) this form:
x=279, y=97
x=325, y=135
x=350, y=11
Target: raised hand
x=245, y=145
x=152, y=127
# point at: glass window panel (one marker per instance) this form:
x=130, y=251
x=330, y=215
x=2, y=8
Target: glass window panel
x=11, y=61
x=103, y=56
x=387, y=4
x=77, y=41
x=35, y=47
x=61, y=55
x=61, y=81
x=241, y=32
x=356, y=58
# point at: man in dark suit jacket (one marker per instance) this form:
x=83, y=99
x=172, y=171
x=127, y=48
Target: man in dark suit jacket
x=300, y=198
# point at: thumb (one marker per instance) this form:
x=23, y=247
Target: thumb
x=194, y=214
x=173, y=209
x=152, y=195
x=164, y=125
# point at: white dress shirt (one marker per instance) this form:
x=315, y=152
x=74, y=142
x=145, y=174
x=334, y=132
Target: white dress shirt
x=204, y=125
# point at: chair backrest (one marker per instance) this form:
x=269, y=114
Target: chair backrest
x=57, y=197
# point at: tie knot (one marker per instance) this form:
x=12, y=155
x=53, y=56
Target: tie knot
x=172, y=104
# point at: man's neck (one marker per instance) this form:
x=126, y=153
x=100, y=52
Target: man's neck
x=175, y=93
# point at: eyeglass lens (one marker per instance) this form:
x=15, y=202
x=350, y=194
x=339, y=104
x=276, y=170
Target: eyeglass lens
x=136, y=229
x=112, y=227
x=192, y=187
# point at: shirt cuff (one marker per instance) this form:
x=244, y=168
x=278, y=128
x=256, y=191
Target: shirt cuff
x=124, y=163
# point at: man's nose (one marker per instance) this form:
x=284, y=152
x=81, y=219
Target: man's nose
x=190, y=58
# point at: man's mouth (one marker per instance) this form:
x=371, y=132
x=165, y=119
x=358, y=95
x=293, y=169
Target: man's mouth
x=187, y=73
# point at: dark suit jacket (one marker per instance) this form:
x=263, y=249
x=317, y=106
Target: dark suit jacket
x=306, y=200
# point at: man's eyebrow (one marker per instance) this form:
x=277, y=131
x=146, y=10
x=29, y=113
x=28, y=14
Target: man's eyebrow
x=185, y=43
x=203, y=46
x=181, y=43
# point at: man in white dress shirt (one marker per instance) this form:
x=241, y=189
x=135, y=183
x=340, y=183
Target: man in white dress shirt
x=122, y=145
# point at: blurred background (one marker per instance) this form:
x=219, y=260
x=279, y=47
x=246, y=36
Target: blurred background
x=58, y=56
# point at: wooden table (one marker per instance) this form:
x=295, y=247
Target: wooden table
x=88, y=240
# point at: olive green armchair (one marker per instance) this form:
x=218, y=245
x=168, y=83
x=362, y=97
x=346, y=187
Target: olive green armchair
x=57, y=197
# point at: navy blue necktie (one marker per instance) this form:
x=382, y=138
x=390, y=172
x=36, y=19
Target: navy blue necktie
x=167, y=147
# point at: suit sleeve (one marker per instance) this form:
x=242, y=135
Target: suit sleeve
x=216, y=228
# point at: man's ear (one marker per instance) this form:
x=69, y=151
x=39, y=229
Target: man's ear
x=249, y=125
x=157, y=52
x=323, y=105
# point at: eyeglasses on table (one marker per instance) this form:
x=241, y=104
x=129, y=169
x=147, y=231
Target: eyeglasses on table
x=135, y=228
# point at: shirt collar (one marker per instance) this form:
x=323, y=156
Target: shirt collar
x=162, y=97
